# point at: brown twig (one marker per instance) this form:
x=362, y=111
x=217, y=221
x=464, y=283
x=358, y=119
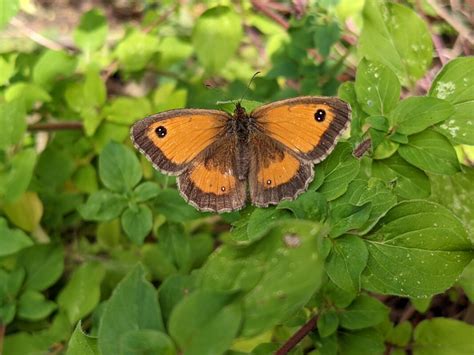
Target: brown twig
x=408, y=312
x=437, y=41
x=37, y=37
x=3, y=328
x=56, y=126
x=260, y=6
x=362, y=148
x=298, y=336
x=463, y=31
x=160, y=19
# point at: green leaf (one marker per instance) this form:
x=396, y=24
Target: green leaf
x=432, y=152
x=339, y=169
x=167, y=97
x=421, y=304
x=255, y=224
x=400, y=335
x=12, y=122
x=467, y=281
x=267, y=271
x=413, y=239
x=170, y=204
x=310, y=205
x=205, y=322
x=380, y=123
x=44, y=265
x=361, y=206
x=54, y=168
x=146, y=191
x=443, y=336
x=364, y=312
x=82, y=293
x=173, y=50
x=455, y=192
x=325, y=36
x=12, y=240
x=10, y=285
x=81, y=343
x=8, y=9
x=136, y=50
x=416, y=113
x=328, y=323
x=365, y=341
x=176, y=243
x=146, y=341
x=159, y=262
x=107, y=132
x=397, y=37
x=92, y=31
x=377, y=87
x=409, y=182
x=346, y=261
x=347, y=217
x=455, y=83
x=172, y=291
x=376, y=192
x=25, y=212
x=127, y=110
x=51, y=66
x=103, y=205
x=347, y=93
x=30, y=93
x=85, y=179
x=95, y=92
x=218, y=30
x=14, y=181
x=7, y=66
x=132, y=306
x=33, y=306
x=137, y=222
x=119, y=168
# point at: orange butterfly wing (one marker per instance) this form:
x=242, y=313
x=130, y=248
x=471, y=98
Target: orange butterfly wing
x=172, y=139
x=309, y=126
x=276, y=173
x=193, y=144
x=211, y=183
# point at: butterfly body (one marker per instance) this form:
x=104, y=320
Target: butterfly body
x=222, y=159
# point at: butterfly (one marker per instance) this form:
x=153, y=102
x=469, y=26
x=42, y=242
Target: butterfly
x=222, y=160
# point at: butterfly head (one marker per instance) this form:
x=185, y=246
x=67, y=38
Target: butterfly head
x=239, y=111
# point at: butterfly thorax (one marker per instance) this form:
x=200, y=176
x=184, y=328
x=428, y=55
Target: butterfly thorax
x=241, y=126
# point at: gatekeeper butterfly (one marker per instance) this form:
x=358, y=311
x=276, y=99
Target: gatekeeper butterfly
x=221, y=159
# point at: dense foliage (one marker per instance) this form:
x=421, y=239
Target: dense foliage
x=100, y=255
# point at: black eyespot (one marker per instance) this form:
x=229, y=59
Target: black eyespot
x=320, y=115
x=223, y=188
x=160, y=131
x=269, y=182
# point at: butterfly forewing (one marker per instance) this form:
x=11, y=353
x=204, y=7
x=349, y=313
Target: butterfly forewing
x=308, y=126
x=171, y=140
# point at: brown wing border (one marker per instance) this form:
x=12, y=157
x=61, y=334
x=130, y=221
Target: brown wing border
x=285, y=188
x=204, y=201
x=144, y=145
x=327, y=143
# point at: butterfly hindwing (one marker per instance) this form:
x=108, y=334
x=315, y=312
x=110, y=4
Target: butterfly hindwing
x=171, y=140
x=211, y=181
x=275, y=173
x=309, y=126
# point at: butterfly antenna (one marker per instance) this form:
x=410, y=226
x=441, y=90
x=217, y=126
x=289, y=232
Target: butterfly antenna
x=248, y=87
